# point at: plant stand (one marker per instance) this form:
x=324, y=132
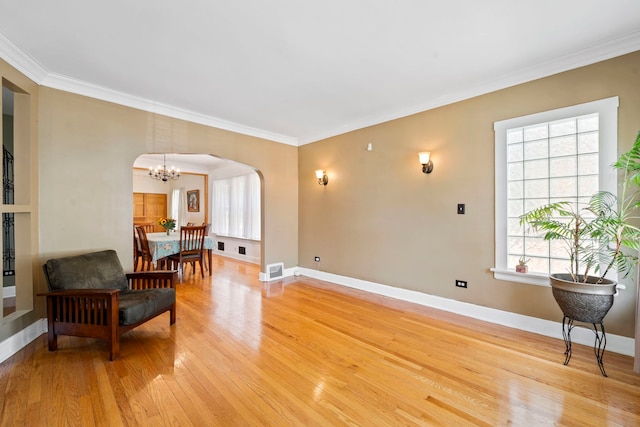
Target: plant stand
x=598, y=346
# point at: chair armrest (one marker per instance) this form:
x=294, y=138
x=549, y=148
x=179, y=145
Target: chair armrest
x=152, y=279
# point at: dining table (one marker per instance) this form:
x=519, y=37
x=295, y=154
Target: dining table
x=162, y=245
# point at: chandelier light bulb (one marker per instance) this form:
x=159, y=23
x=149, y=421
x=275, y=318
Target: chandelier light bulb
x=161, y=173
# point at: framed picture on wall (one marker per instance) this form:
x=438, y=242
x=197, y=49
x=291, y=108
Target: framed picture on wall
x=193, y=200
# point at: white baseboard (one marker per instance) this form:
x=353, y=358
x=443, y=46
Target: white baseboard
x=615, y=343
x=18, y=341
x=238, y=257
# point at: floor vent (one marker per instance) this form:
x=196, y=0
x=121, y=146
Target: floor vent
x=275, y=271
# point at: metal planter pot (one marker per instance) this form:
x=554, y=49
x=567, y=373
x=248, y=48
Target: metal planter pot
x=584, y=302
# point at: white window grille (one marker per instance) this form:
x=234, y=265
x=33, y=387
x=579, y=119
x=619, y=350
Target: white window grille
x=558, y=155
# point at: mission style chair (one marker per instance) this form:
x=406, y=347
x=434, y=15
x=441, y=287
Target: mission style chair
x=91, y=296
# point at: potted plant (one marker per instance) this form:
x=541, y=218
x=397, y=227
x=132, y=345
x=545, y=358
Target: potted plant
x=522, y=266
x=167, y=223
x=598, y=238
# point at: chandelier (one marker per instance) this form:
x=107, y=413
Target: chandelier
x=161, y=173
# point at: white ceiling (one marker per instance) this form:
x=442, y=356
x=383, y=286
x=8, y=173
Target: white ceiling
x=298, y=71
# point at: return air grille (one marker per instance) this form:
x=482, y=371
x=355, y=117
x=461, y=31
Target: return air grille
x=275, y=271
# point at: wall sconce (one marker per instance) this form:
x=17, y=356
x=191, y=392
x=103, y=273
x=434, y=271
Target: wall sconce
x=323, y=179
x=425, y=161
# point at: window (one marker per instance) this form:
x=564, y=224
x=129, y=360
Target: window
x=236, y=207
x=563, y=154
x=178, y=206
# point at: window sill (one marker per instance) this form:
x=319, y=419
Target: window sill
x=531, y=278
x=528, y=278
x=236, y=238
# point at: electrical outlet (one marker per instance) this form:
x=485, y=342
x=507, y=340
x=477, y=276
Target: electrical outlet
x=316, y=258
x=461, y=283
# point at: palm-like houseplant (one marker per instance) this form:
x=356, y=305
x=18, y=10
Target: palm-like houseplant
x=599, y=237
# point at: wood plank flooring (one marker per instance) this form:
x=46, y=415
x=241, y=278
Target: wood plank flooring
x=303, y=352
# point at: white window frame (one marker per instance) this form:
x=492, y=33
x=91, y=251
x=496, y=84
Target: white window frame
x=607, y=110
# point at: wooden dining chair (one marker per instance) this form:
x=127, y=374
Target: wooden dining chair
x=191, y=249
x=144, y=254
x=148, y=227
x=137, y=250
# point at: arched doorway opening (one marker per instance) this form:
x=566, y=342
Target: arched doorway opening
x=226, y=194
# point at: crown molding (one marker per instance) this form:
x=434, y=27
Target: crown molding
x=67, y=84
x=587, y=56
x=21, y=61
x=30, y=67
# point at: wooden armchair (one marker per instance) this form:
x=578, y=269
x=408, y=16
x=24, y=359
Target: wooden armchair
x=91, y=296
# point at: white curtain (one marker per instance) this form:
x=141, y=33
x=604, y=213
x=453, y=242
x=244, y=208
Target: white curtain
x=179, y=206
x=236, y=206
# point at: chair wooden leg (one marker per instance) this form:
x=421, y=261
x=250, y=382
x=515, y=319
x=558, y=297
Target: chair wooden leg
x=172, y=315
x=52, y=337
x=114, y=348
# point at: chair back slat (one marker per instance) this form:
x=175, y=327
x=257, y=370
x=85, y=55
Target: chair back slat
x=192, y=239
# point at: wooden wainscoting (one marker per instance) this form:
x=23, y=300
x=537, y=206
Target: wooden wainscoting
x=303, y=352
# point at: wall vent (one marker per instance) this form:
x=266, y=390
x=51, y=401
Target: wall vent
x=275, y=271
x=221, y=246
x=242, y=250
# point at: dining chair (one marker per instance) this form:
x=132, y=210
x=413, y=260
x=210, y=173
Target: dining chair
x=136, y=249
x=148, y=227
x=191, y=249
x=207, y=226
x=144, y=254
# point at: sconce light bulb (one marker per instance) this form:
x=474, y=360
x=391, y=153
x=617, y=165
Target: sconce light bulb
x=323, y=179
x=425, y=161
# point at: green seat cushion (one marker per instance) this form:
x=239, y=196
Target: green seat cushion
x=138, y=305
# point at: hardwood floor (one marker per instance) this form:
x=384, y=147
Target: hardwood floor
x=303, y=352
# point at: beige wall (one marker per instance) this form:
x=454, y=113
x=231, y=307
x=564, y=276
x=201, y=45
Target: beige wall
x=381, y=219
x=87, y=150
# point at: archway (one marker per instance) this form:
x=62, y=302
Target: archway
x=200, y=175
